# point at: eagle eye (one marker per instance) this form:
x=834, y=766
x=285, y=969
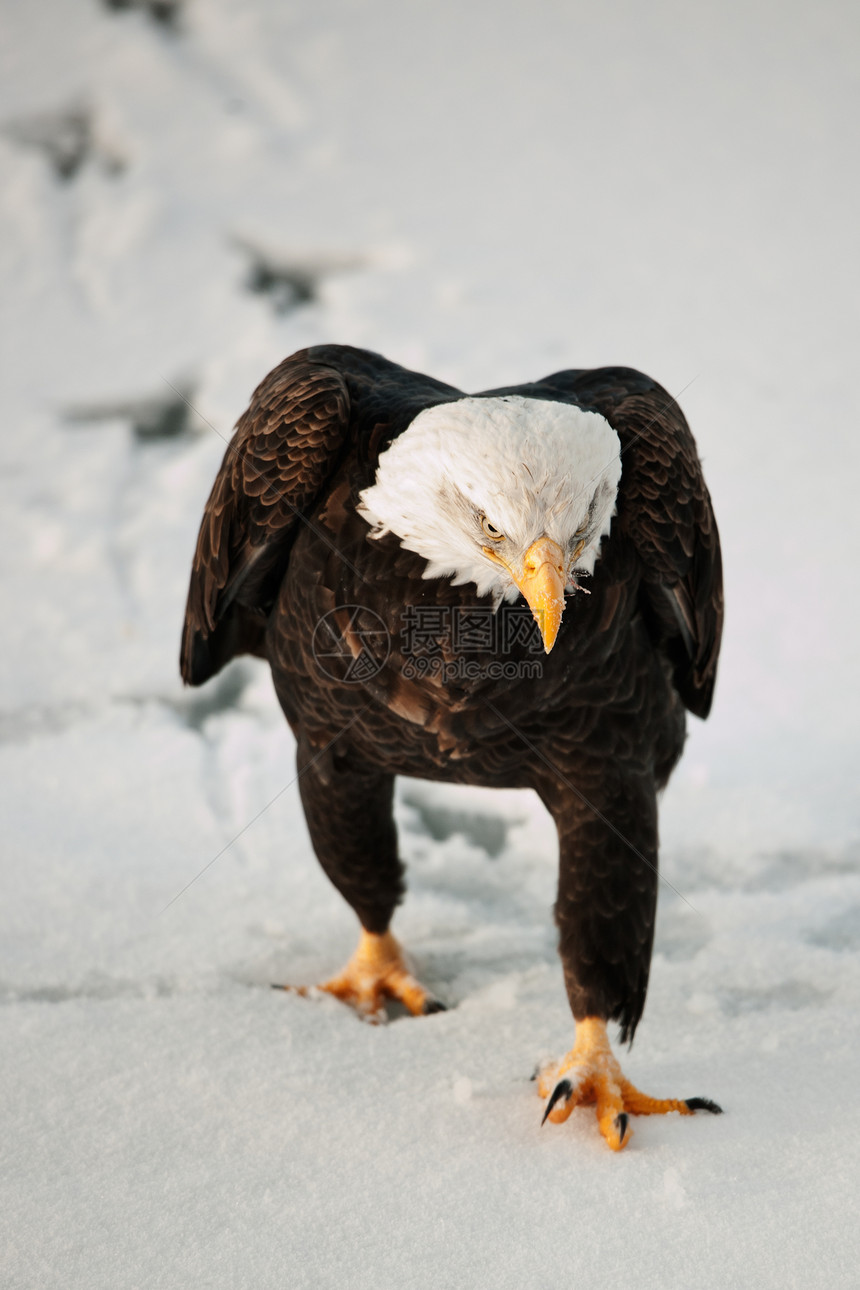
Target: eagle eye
x=495, y=535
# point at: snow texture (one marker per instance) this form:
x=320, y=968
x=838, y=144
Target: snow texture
x=487, y=192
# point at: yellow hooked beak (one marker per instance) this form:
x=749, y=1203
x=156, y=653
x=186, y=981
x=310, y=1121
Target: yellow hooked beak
x=542, y=584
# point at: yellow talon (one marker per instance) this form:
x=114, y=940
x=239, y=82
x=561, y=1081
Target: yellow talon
x=377, y=971
x=590, y=1073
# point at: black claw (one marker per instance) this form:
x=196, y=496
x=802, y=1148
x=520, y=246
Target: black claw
x=433, y=1005
x=621, y=1122
x=563, y=1089
x=703, y=1104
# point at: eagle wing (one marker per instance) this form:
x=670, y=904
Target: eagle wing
x=286, y=447
x=665, y=509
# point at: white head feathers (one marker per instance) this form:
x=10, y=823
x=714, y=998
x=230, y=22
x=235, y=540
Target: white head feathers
x=527, y=468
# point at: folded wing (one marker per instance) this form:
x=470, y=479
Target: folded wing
x=286, y=447
x=665, y=508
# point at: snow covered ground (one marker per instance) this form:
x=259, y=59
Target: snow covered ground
x=488, y=192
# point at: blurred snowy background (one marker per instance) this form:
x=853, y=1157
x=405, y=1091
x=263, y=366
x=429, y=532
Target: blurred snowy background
x=488, y=192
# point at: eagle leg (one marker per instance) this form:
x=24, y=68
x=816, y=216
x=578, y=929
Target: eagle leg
x=590, y=1074
x=376, y=972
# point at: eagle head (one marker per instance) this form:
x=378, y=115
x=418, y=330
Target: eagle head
x=509, y=493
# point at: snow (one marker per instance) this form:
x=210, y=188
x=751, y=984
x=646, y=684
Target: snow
x=489, y=193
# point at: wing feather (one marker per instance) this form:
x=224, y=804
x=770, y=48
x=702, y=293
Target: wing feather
x=665, y=508
x=285, y=449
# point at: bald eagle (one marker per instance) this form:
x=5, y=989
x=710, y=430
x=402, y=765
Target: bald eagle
x=520, y=588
